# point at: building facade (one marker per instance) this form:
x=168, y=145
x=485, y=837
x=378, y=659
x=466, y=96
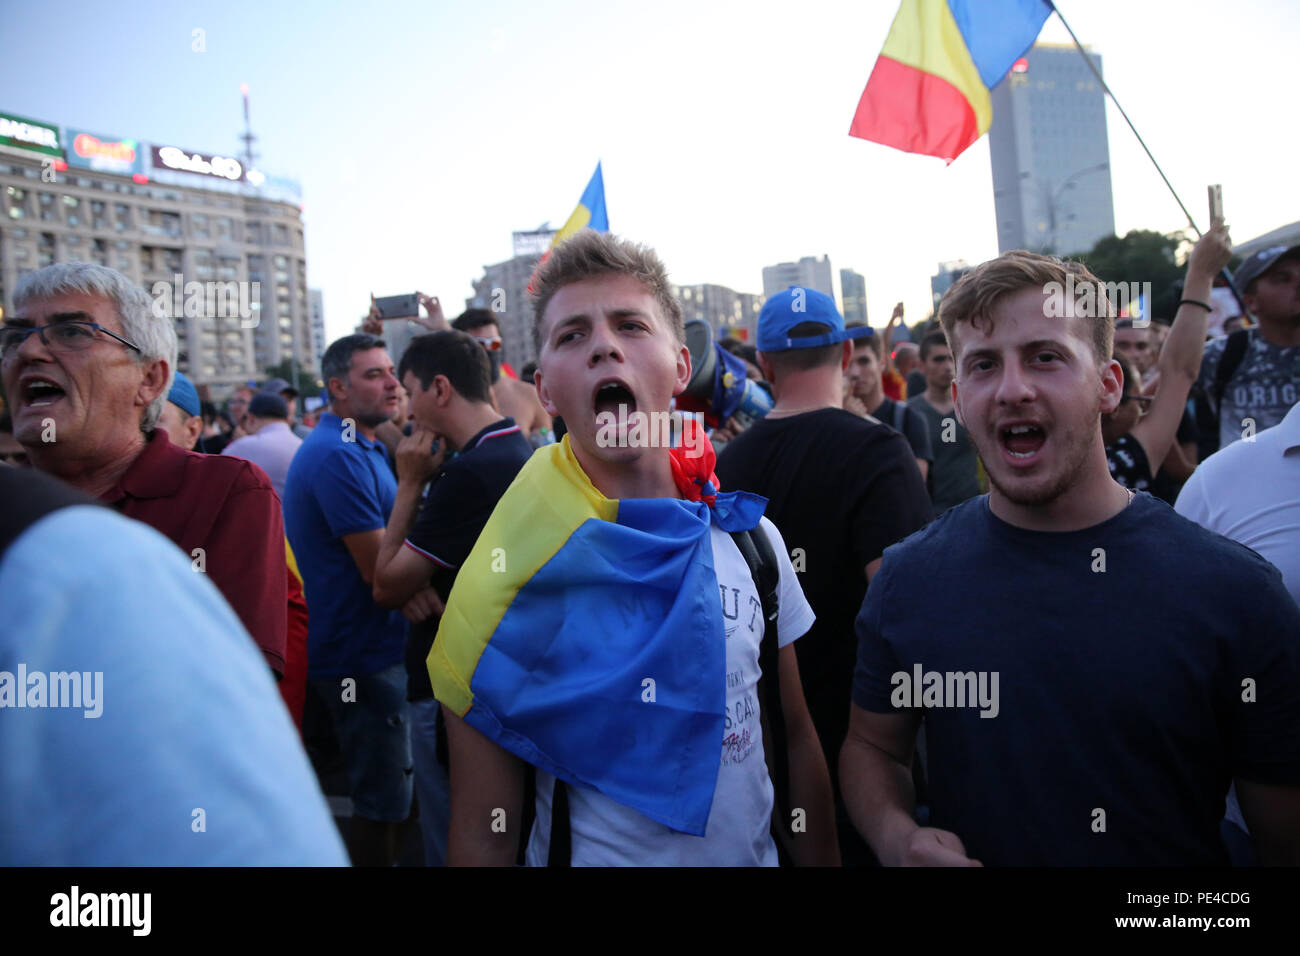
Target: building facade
x=1050, y=154
x=225, y=259
x=316, y=310
x=853, y=293
x=728, y=312
x=809, y=272
x=942, y=280
x=503, y=289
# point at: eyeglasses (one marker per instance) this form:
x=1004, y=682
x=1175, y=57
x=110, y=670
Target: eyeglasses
x=59, y=337
x=492, y=345
x=1143, y=400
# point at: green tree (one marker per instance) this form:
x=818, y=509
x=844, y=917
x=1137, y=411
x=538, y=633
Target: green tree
x=1141, y=256
x=306, y=385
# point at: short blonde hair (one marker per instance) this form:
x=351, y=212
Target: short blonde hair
x=592, y=255
x=975, y=295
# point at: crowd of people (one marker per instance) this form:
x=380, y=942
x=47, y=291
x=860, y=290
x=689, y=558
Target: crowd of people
x=1020, y=591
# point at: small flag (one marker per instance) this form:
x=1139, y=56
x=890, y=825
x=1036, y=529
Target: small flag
x=929, y=90
x=590, y=213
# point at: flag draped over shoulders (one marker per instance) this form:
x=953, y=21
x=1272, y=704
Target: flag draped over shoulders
x=585, y=635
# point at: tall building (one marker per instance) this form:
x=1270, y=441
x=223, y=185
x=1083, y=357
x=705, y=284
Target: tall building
x=1050, y=155
x=223, y=257
x=853, y=292
x=503, y=289
x=316, y=309
x=809, y=272
x=725, y=310
x=941, y=281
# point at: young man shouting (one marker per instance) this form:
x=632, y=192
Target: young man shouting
x=1093, y=670
x=606, y=629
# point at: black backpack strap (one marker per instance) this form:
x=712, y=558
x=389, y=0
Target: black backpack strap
x=900, y=413
x=756, y=549
x=1207, y=401
x=1234, y=351
x=560, y=851
x=28, y=496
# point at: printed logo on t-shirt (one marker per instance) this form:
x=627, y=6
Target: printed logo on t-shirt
x=742, y=621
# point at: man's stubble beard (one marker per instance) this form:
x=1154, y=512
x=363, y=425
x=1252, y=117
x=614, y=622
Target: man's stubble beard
x=1075, y=454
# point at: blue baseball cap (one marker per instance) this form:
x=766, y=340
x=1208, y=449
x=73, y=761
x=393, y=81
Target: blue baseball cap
x=795, y=305
x=183, y=395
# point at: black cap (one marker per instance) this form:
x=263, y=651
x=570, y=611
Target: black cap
x=1259, y=263
x=278, y=386
x=268, y=405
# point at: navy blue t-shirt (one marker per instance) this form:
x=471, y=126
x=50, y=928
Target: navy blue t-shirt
x=457, y=505
x=1118, y=690
x=339, y=484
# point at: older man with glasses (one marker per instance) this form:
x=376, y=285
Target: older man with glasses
x=87, y=366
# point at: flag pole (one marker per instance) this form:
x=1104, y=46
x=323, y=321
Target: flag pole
x=1107, y=90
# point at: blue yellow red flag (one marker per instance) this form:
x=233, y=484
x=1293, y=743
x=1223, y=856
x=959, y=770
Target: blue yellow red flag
x=929, y=90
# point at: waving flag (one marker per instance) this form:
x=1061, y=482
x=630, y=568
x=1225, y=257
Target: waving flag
x=590, y=213
x=929, y=90
x=584, y=635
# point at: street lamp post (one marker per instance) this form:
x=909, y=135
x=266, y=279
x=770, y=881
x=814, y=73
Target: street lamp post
x=1053, y=201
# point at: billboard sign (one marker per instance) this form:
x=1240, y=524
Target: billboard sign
x=182, y=161
x=18, y=133
x=533, y=243
x=104, y=154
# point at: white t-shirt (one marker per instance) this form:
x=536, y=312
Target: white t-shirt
x=605, y=833
x=1250, y=492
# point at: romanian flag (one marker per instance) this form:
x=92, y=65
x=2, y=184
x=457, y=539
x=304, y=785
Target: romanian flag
x=929, y=90
x=584, y=635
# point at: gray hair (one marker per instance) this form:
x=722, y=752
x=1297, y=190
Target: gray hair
x=154, y=336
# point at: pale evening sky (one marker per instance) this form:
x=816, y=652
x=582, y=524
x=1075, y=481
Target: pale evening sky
x=424, y=133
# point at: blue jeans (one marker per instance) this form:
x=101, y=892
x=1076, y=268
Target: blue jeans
x=373, y=727
x=431, y=782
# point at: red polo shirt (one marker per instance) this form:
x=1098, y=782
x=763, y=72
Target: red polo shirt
x=227, y=507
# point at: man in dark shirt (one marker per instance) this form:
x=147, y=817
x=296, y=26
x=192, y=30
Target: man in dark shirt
x=1067, y=723
x=954, y=476
x=447, y=376
x=865, y=395
x=840, y=489
x=87, y=365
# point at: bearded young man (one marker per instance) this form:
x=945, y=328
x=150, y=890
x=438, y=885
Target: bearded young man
x=1138, y=664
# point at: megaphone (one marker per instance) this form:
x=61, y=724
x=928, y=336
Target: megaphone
x=719, y=386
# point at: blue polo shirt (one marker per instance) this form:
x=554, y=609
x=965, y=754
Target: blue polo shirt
x=339, y=484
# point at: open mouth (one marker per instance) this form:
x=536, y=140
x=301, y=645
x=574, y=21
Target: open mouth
x=1022, y=442
x=39, y=393
x=610, y=396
